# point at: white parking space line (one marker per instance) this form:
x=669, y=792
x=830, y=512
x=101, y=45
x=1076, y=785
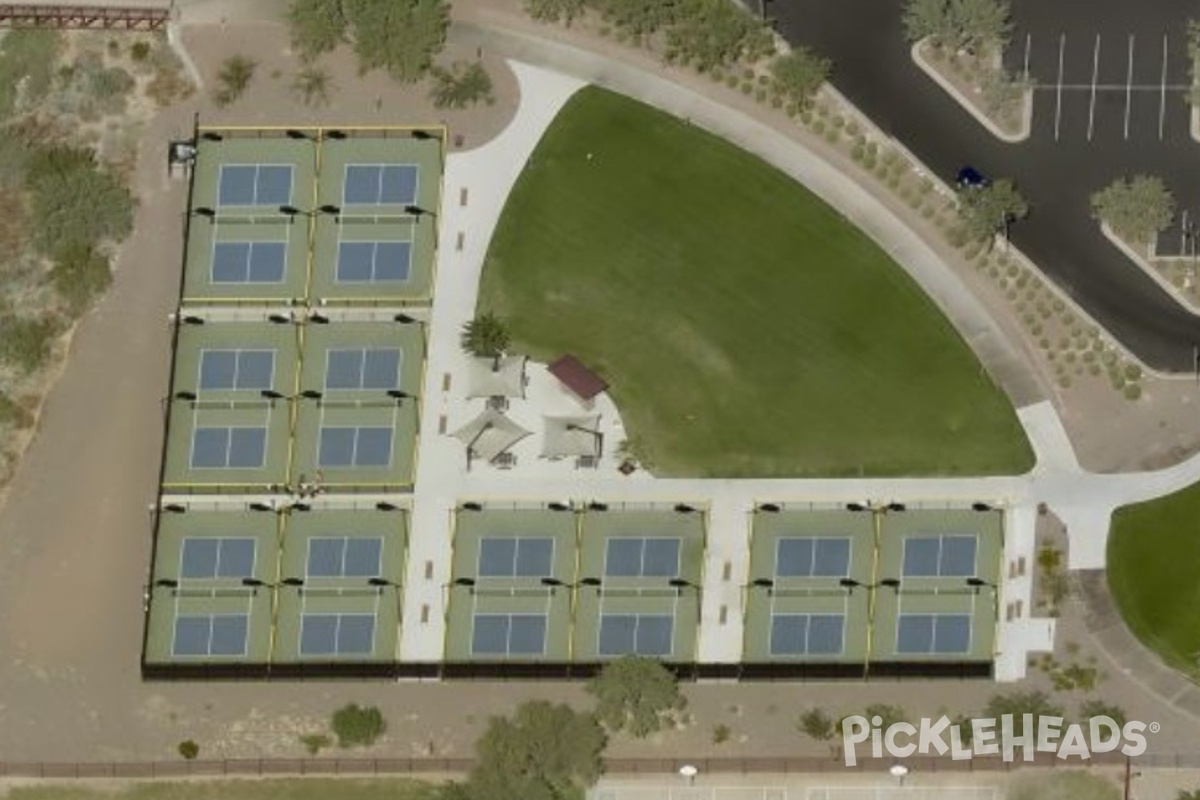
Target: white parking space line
x=1062, y=46
x=1162, y=101
x=1129, y=86
x=1095, y=74
x=1028, y=44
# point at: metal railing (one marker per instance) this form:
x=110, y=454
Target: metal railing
x=796, y=765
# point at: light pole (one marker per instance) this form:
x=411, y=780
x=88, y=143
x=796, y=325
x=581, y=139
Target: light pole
x=379, y=582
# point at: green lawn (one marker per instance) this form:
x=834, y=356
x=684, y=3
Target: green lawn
x=264, y=789
x=746, y=328
x=1154, y=574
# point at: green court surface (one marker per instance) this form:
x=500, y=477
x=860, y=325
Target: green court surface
x=664, y=618
x=314, y=219
x=200, y=611
x=785, y=342
x=601, y=600
x=1154, y=574
x=343, y=414
x=823, y=586
x=224, y=590
x=513, y=587
x=934, y=589
x=801, y=590
x=338, y=596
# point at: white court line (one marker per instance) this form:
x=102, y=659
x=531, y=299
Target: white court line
x=1095, y=74
x=1128, y=83
x=1028, y=44
x=1162, y=102
x=1062, y=45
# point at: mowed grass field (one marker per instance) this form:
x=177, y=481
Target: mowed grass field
x=1154, y=575
x=746, y=329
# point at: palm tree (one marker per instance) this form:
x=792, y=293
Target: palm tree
x=486, y=336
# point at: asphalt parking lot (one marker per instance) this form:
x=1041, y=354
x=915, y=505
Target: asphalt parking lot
x=1111, y=79
x=1098, y=87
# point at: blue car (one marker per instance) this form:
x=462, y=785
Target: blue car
x=969, y=177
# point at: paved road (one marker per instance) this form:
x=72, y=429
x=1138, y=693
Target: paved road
x=1056, y=174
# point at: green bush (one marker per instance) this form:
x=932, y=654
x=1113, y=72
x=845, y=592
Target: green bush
x=27, y=59
x=1132, y=372
x=721, y=734
x=1132, y=391
x=233, y=79
x=358, y=726
x=139, y=51
x=314, y=743
x=13, y=414
x=80, y=274
x=73, y=200
x=109, y=88
x=25, y=341
x=312, y=85
x=189, y=749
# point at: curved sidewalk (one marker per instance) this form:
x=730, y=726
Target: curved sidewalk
x=1000, y=356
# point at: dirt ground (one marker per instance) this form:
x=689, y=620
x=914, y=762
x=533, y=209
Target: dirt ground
x=370, y=99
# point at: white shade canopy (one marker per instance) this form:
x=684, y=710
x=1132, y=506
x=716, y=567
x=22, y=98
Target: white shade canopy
x=487, y=377
x=490, y=434
x=572, y=436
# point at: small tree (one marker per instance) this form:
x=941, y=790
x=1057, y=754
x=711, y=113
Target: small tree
x=1136, y=208
x=313, y=85
x=1018, y=704
x=314, y=743
x=189, y=749
x=358, y=726
x=980, y=24
x=399, y=36
x=821, y=726
x=317, y=26
x=988, y=210
x=818, y=724
x=635, y=694
x=544, y=752
x=799, y=74
x=464, y=84
x=889, y=714
x=928, y=19
x=233, y=79
x=958, y=24
x=486, y=336
x=554, y=10
x=1194, y=794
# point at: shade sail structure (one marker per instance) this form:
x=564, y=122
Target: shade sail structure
x=572, y=436
x=487, y=378
x=490, y=434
